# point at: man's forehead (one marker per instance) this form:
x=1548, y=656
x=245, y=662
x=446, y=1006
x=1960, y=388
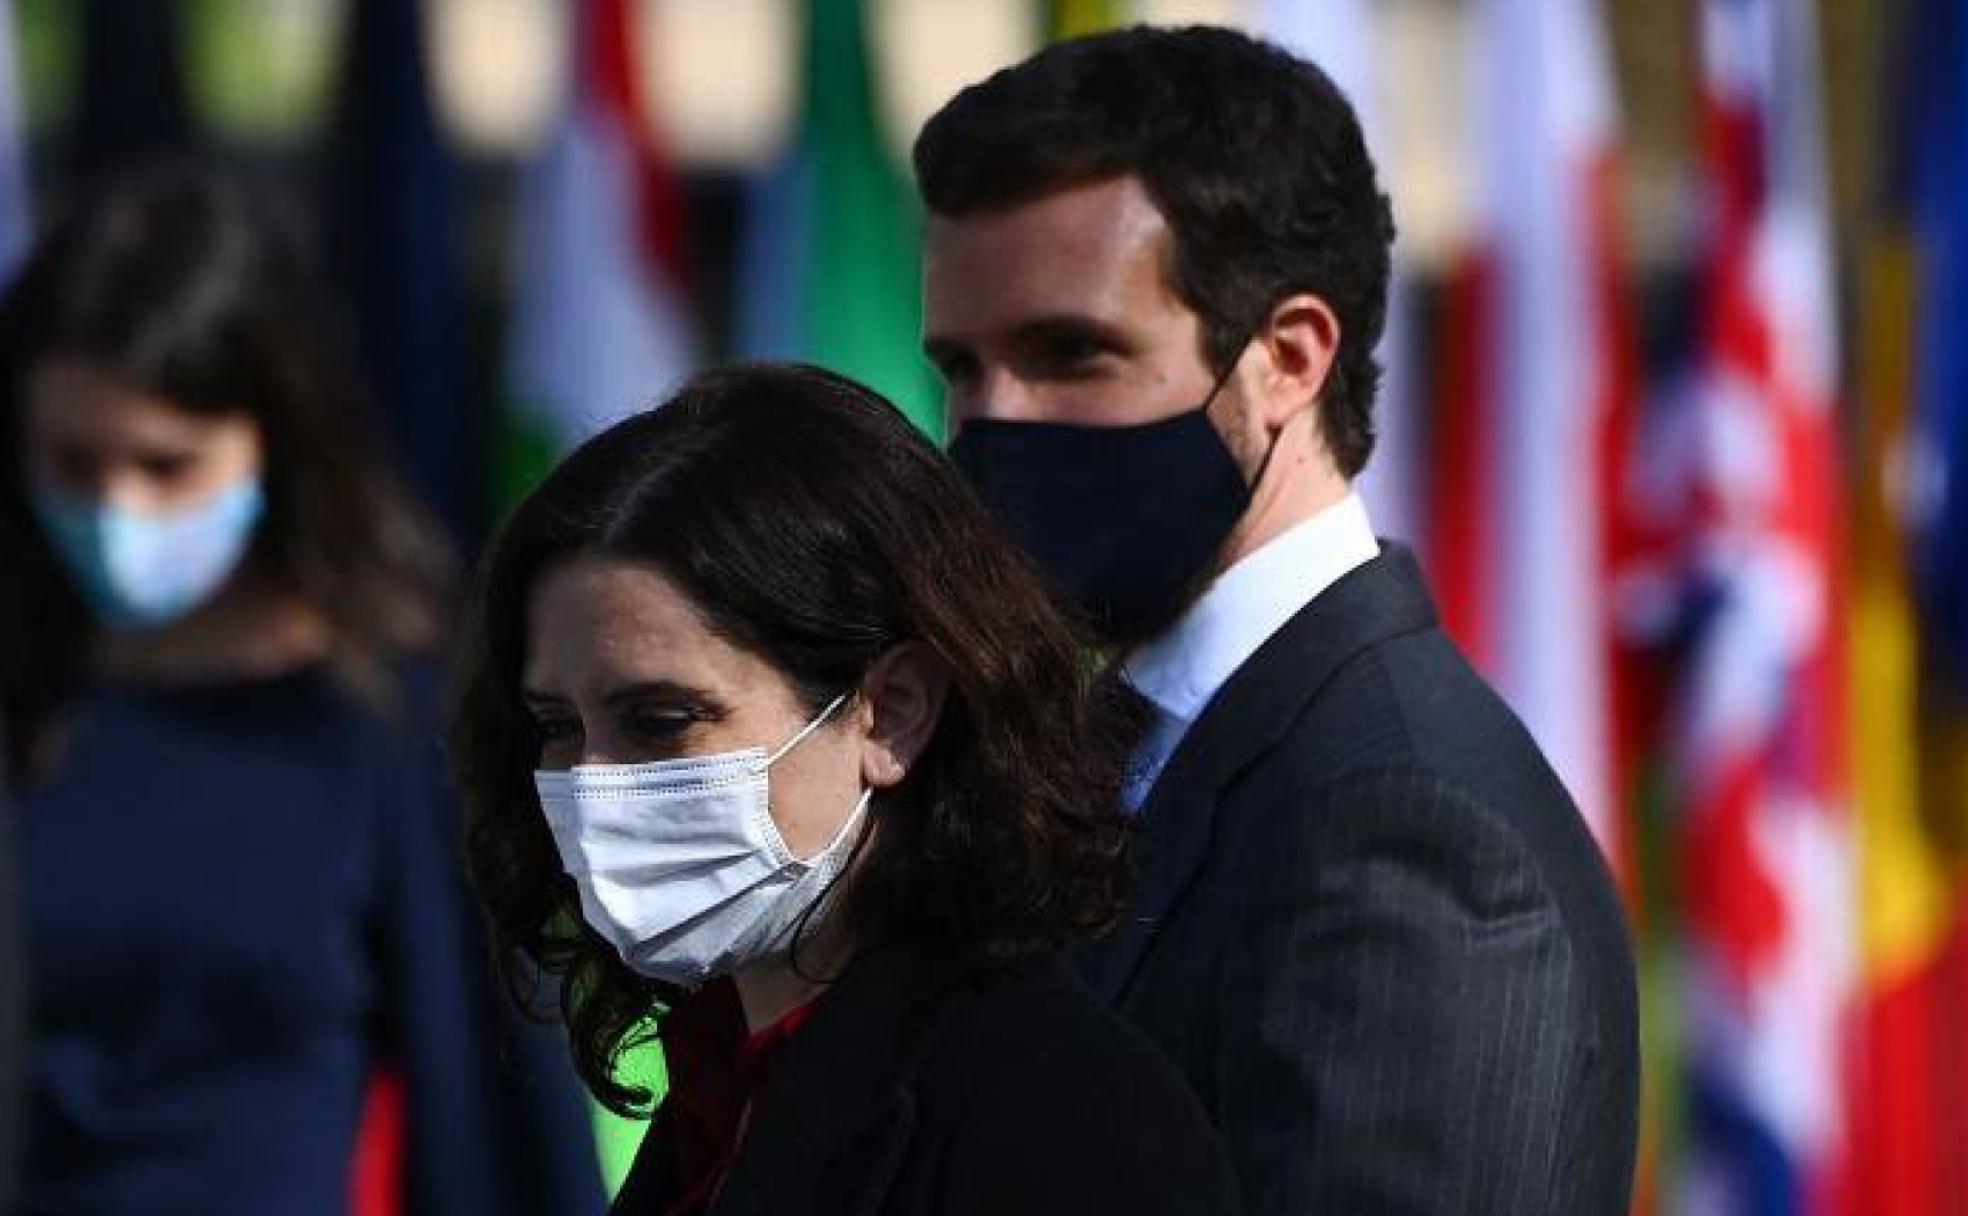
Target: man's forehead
x=1061, y=253
x=1114, y=212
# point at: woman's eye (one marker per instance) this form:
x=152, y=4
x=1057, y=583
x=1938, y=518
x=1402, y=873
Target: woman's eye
x=554, y=730
x=165, y=468
x=662, y=725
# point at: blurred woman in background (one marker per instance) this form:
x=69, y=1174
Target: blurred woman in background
x=768, y=733
x=240, y=893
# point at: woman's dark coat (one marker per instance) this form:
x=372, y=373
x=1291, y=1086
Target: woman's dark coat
x=921, y=1087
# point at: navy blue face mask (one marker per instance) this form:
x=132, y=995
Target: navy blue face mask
x=1124, y=520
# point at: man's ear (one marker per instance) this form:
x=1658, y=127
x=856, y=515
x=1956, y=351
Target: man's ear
x=1300, y=340
x=903, y=693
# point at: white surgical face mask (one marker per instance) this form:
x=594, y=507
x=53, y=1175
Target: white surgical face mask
x=679, y=864
x=143, y=570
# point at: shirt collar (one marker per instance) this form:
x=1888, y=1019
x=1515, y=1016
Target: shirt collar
x=1183, y=668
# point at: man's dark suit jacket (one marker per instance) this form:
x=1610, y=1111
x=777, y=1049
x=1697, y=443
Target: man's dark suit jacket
x=1374, y=932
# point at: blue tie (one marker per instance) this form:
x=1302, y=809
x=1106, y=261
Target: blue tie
x=1158, y=740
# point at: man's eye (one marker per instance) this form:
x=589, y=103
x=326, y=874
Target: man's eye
x=1068, y=354
x=956, y=370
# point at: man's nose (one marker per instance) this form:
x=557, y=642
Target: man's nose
x=1001, y=396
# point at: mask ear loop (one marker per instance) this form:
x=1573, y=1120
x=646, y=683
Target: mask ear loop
x=1224, y=379
x=808, y=729
x=860, y=841
x=806, y=915
x=1210, y=400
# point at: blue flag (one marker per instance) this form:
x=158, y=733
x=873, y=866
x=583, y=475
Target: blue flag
x=389, y=207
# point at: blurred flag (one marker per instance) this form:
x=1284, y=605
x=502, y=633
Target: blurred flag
x=1064, y=19
x=1938, y=182
x=1543, y=362
x=602, y=329
x=1910, y=1101
x=263, y=72
x=830, y=271
x=15, y=233
x=1743, y=481
x=1935, y=465
x=390, y=215
x=1904, y=1098
x=1340, y=36
x=386, y=201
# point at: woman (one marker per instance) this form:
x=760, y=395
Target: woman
x=766, y=733
x=239, y=894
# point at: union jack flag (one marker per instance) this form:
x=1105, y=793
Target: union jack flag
x=1732, y=549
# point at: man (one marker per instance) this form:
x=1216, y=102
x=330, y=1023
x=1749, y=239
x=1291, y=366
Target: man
x=1369, y=925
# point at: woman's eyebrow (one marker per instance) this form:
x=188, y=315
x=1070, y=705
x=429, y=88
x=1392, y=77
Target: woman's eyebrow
x=668, y=690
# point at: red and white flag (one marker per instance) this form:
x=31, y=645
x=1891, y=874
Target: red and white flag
x=602, y=328
x=1536, y=366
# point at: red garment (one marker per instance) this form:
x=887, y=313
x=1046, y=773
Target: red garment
x=376, y=1176
x=716, y=1072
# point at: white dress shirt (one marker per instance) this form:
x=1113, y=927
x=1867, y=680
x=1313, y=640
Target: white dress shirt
x=1180, y=671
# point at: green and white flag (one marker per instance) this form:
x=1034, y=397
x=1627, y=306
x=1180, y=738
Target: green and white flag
x=831, y=265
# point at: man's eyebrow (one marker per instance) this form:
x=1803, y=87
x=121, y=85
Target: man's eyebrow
x=1050, y=328
x=939, y=348
x=1072, y=325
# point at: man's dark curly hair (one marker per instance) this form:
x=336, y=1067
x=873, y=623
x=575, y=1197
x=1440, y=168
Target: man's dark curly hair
x=1254, y=158
x=811, y=525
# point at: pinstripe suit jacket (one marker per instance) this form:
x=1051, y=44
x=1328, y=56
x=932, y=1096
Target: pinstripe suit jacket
x=1372, y=929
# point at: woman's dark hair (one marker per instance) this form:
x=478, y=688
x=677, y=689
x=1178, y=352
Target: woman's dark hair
x=171, y=282
x=1253, y=157
x=814, y=527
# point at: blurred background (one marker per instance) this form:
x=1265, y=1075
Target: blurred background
x=1675, y=411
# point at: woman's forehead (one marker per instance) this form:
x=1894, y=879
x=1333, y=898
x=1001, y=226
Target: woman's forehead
x=70, y=400
x=597, y=622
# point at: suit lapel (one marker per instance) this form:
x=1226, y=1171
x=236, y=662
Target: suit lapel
x=1249, y=714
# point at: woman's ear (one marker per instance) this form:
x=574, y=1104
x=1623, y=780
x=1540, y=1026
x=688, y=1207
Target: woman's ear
x=903, y=692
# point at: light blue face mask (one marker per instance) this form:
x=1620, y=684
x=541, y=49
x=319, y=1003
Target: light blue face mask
x=142, y=570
